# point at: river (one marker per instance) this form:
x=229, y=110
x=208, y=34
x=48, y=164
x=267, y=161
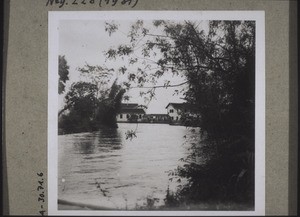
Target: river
x=106, y=169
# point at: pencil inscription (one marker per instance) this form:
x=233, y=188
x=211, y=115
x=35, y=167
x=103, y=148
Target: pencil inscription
x=99, y=3
x=41, y=193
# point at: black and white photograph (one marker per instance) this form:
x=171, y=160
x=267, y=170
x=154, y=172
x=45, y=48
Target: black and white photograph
x=156, y=112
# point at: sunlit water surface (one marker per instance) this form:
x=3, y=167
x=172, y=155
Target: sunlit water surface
x=103, y=168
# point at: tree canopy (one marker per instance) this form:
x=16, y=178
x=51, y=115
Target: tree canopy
x=217, y=61
x=92, y=102
x=63, y=72
x=216, y=58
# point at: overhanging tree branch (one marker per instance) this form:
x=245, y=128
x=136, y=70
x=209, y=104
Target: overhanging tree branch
x=161, y=86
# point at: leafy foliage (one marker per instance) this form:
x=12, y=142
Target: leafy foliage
x=90, y=105
x=63, y=72
x=110, y=27
x=130, y=134
x=217, y=59
x=82, y=102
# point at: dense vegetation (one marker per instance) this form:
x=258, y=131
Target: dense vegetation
x=90, y=104
x=220, y=73
x=218, y=62
x=63, y=73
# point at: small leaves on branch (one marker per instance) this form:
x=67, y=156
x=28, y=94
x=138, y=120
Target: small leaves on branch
x=111, y=27
x=63, y=73
x=130, y=134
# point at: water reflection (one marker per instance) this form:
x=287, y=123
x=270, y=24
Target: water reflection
x=84, y=146
x=128, y=171
x=105, y=140
x=109, y=138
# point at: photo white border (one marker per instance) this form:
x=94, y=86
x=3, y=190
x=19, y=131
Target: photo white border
x=53, y=35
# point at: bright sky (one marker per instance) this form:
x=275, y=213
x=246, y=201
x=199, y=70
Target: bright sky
x=84, y=41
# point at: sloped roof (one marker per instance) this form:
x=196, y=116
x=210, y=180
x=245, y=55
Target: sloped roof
x=178, y=105
x=129, y=105
x=158, y=115
x=133, y=110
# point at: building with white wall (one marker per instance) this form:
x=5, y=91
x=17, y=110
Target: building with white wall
x=130, y=112
x=175, y=110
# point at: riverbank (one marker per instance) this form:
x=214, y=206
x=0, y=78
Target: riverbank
x=127, y=170
x=69, y=205
x=230, y=206
x=61, y=132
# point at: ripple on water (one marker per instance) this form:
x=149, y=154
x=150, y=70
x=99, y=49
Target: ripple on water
x=128, y=169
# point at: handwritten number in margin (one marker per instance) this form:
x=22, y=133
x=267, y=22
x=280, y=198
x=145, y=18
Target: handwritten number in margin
x=40, y=188
x=41, y=199
x=135, y=3
x=114, y=2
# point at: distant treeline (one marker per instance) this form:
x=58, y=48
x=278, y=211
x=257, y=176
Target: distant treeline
x=89, y=105
x=219, y=68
